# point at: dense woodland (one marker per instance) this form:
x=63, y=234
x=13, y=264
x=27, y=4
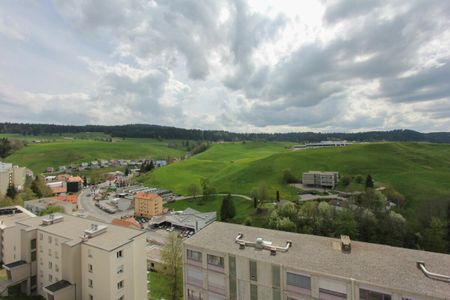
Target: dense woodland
x=155, y=131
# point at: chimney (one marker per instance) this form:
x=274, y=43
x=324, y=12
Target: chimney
x=346, y=244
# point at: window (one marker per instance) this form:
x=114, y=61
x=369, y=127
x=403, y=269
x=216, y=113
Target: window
x=325, y=294
x=49, y=239
x=121, y=298
x=276, y=276
x=56, y=254
x=253, y=270
x=90, y=283
x=298, y=281
x=233, y=284
x=90, y=268
x=33, y=256
x=50, y=277
x=119, y=254
x=33, y=244
x=91, y=297
x=56, y=242
x=41, y=236
x=40, y=248
x=371, y=295
x=120, y=284
x=89, y=253
x=253, y=292
x=33, y=280
x=194, y=255
x=49, y=264
x=49, y=252
x=276, y=294
x=56, y=268
x=120, y=269
x=215, y=261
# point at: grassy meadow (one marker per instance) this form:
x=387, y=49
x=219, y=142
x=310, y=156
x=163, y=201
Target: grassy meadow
x=61, y=151
x=420, y=171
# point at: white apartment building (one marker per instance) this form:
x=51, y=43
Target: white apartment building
x=11, y=176
x=320, y=179
x=65, y=257
x=229, y=261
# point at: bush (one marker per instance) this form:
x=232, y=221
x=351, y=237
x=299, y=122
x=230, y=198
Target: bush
x=288, y=177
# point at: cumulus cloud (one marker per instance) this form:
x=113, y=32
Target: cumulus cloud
x=232, y=64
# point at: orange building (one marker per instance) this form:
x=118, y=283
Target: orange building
x=147, y=205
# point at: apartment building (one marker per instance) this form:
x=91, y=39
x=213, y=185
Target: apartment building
x=65, y=257
x=9, y=232
x=147, y=205
x=229, y=261
x=11, y=176
x=320, y=179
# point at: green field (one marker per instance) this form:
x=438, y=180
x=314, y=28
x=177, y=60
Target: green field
x=420, y=171
x=59, y=152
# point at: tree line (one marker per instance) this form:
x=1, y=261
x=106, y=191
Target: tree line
x=166, y=132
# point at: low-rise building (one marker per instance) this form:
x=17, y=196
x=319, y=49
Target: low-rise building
x=230, y=261
x=65, y=257
x=320, y=179
x=187, y=219
x=74, y=184
x=147, y=205
x=154, y=260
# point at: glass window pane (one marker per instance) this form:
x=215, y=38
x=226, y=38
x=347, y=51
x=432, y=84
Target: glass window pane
x=276, y=276
x=298, y=280
x=253, y=270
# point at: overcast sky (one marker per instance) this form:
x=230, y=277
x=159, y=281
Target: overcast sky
x=239, y=65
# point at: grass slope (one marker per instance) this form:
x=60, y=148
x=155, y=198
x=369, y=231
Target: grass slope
x=38, y=157
x=221, y=163
x=420, y=171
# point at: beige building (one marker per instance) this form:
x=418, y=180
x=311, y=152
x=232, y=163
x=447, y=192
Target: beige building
x=320, y=179
x=229, y=261
x=65, y=257
x=11, y=176
x=9, y=232
x=147, y=205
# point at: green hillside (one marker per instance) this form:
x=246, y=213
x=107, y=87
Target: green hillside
x=38, y=157
x=420, y=171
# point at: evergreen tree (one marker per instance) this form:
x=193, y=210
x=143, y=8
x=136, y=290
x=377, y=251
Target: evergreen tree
x=369, y=182
x=227, y=210
x=11, y=192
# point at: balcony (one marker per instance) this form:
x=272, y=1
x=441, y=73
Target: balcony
x=17, y=271
x=60, y=290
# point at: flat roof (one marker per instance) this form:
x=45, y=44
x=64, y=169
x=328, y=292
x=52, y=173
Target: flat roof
x=371, y=264
x=72, y=228
x=10, y=215
x=58, y=286
x=15, y=264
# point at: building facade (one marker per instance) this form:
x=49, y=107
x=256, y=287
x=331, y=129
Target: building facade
x=147, y=205
x=320, y=179
x=11, y=176
x=229, y=261
x=65, y=257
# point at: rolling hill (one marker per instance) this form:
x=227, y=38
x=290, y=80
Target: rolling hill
x=420, y=171
x=38, y=157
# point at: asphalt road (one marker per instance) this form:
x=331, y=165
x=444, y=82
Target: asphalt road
x=87, y=205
